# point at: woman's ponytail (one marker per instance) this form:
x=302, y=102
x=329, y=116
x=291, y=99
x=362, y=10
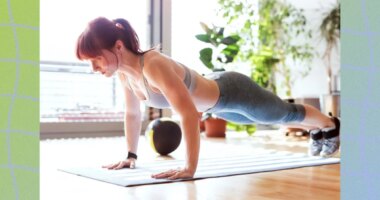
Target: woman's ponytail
x=128, y=35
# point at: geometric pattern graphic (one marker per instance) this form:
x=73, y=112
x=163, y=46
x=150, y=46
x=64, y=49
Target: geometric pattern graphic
x=360, y=67
x=208, y=168
x=19, y=99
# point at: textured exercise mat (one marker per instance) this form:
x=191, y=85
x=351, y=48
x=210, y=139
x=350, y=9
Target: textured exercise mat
x=207, y=168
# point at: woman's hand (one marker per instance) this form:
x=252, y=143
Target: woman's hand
x=129, y=163
x=175, y=174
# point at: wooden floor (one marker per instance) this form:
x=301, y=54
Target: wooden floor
x=322, y=182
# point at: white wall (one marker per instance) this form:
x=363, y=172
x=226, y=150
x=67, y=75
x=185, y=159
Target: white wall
x=315, y=83
x=186, y=18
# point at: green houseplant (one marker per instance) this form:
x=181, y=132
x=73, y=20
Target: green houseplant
x=224, y=47
x=330, y=32
x=268, y=30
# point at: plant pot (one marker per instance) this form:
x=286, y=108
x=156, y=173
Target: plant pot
x=215, y=127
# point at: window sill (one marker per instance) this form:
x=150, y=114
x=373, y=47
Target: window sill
x=50, y=130
x=55, y=130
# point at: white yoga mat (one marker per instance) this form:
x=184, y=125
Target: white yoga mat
x=207, y=168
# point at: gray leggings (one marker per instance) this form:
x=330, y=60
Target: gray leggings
x=243, y=101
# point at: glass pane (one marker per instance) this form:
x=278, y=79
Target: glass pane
x=73, y=93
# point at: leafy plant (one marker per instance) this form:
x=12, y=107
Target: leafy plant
x=330, y=32
x=226, y=47
x=268, y=39
x=250, y=129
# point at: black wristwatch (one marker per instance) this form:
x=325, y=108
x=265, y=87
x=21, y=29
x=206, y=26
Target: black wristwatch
x=131, y=155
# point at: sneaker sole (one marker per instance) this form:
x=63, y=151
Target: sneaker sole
x=330, y=155
x=311, y=154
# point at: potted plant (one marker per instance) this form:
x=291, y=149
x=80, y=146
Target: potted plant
x=223, y=49
x=330, y=33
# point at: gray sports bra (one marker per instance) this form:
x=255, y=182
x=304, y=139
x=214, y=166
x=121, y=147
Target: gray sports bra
x=158, y=100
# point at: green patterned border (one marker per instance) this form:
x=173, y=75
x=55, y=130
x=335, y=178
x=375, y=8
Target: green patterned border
x=19, y=99
x=360, y=46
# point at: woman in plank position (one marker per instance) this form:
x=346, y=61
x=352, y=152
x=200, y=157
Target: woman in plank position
x=112, y=47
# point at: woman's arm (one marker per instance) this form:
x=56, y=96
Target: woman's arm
x=160, y=72
x=132, y=126
x=132, y=120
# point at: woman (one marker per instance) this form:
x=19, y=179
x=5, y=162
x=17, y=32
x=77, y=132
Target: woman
x=158, y=81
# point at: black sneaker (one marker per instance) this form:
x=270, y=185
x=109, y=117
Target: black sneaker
x=331, y=141
x=315, y=143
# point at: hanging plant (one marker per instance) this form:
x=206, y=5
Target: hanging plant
x=330, y=32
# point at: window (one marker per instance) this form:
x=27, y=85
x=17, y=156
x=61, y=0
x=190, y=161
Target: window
x=69, y=90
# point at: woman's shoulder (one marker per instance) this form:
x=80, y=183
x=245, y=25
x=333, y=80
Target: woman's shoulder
x=155, y=58
x=152, y=54
x=158, y=65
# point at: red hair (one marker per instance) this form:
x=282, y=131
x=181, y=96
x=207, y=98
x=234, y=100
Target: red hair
x=102, y=33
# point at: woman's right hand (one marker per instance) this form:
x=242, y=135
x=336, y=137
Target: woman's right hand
x=129, y=163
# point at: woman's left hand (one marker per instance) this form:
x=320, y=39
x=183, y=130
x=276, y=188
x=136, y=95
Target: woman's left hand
x=175, y=174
